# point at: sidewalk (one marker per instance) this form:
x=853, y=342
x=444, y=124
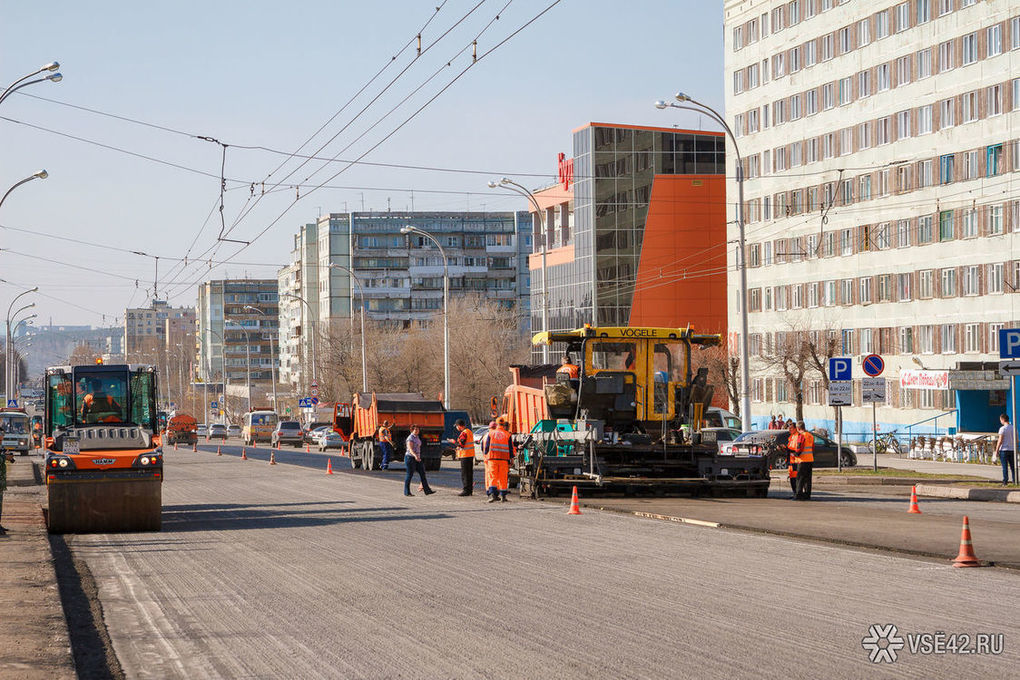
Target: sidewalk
x=991, y=472
x=33, y=627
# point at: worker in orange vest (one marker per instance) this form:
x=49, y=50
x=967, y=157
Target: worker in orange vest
x=805, y=463
x=499, y=450
x=794, y=446
x=465, y=444
x=569, y=367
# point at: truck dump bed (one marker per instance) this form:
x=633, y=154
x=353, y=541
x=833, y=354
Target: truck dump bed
x=402, y=410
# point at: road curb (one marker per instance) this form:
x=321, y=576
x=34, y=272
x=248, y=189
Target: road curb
x=969, y=493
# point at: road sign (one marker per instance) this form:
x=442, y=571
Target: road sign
x=315, y=384
x=314, y=391
x=841, y=393
x=873, y=390
x=305, y=403
x=214, y=404
x=12, y=403
x=873, y=365
x=1009, y=343
x=315, y=401
x=1009, y=368
x=840, y=368
x=288, y=409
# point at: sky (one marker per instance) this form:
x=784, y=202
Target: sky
x=133, y=187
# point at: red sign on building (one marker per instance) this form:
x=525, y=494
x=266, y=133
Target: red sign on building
x=565, y=171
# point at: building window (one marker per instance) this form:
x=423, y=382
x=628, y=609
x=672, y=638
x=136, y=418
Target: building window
x=846, y=341
x=903, y=124
x=947, y=110
x=810, y=53
x=902, y=16
x=927, y=339
x=812, y=295
x=903, y=179
x=846, y=291
x=903, y=233
x=923, y=11
x=995, y=220
x=865, y=290
x=925, y=177
x=863, y=32
x=795, y=60
x=795, y=109
x=883, y=239
x=970, y=223
x=828, y=101
x=924, y=120
x=970, y=165
x=811, y=102
x=845, y=94
x=994, y=40
x=945, y=56
x=903, y=71
x=883, y=77
x=882, y=24
x=948, y=338
x=972, y=280
x=864, y=133
x=970, y=49
x=970, y=107
x=1014, y=32
x=1016, y=94
x=993, y=336
x=846, y=242
x=884, y=288
x=925, y=284
x=848, y=191
x=945, y=6
x=993, y=159
x=830, y=294
x=882, y=131
x=843, y=37
x=867, y=346
x=827, y=44
x=903, y=287
x=864, y=84
x=864, y=193
x=846, y=141
x=996, y=277
x=924, y=63
x=946, y=168
x=906, y=340
x=948, y=283
x=946, y=226
x=972, y=338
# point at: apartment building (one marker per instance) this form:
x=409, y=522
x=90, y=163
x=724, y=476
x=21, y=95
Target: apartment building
x=880, y=150
x=145, y=328
x=400, y=275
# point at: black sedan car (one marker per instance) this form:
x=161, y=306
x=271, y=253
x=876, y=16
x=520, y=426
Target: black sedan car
x=772, y=443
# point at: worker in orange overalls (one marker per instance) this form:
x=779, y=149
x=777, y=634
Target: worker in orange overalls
x=794, y=446
x=499, y=451
x=805, y=464
x=465, y=444
x=569, y=367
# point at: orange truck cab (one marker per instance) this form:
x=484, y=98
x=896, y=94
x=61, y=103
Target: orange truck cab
x=181, y=429
x=104, y=458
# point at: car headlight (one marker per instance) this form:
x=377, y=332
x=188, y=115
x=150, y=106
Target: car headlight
x=63, y=462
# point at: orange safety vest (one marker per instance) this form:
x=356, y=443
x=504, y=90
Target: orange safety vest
x=570, y=369
x=466, y=444
x=807, y=454
x=795, y=444
x=384, y=435
x=499, y=445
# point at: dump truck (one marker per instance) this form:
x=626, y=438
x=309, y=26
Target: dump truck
x=104, y=457
x=630, y=422
x=402, y=409
x=181, y=429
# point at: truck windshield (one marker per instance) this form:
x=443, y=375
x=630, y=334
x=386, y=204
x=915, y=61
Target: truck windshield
x=13, y=424
x=100, y=397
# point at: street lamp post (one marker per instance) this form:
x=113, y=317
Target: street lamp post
x=247, y=355
x=745, y=373
x=446, y=309
x=311, y=327
x=223, y=371
x=39, y=174
x=20, y=82
x=361, y=292
x=272, y=357
x=507, y=183
x=7, y=362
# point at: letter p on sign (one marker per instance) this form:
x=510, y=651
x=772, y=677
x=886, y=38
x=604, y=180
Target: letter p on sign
x=840, y=368
x=1009, y=343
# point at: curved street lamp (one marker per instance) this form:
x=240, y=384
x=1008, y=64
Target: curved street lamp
x=7, y=362
x=507, y=183
x=272, y=359
x=745, y=374
x=361, y=292
x=41, y=174
x=20, y=82
x=446, y=309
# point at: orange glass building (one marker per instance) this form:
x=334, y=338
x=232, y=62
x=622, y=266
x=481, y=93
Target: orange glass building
x=635, y=231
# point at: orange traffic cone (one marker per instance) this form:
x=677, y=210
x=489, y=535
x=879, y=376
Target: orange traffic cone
x=966, y=558
x=914, y=510
x=575, y=509
x=244, y=456
x=308, y=448
x=272, y=457
x=329, y=466
x=219, y=450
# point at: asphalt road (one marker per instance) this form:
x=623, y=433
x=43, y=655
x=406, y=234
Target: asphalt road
x=286, y=572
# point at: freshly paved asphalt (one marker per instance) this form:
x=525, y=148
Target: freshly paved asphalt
x=283, y=571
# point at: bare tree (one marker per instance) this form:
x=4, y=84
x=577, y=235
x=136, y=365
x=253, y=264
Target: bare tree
x=789, y=356
x=723, y=370
x=83, y=354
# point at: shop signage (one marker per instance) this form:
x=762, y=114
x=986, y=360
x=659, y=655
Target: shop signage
x=911, y=379
x=565, y=170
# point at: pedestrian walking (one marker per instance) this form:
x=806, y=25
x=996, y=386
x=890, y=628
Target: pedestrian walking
x=413, y=462
x=465, y=444
x=499, y=450
x=772, y=424
x=386, y=444
x=5, y=457
x=1006, y=448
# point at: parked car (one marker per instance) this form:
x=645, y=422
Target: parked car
x=202, y=430
x=288, y=432
x=772, y=443
x=217, y=431
x=233, y=431
x=329, y=439
x=720, y=435
x=479, y=432
x=312, y=434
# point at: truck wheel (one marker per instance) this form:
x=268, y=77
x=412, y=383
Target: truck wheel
x=369, y=456
x=356, y=456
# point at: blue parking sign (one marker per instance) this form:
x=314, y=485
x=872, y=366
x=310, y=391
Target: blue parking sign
x=840, y=368
x=1009, y=343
